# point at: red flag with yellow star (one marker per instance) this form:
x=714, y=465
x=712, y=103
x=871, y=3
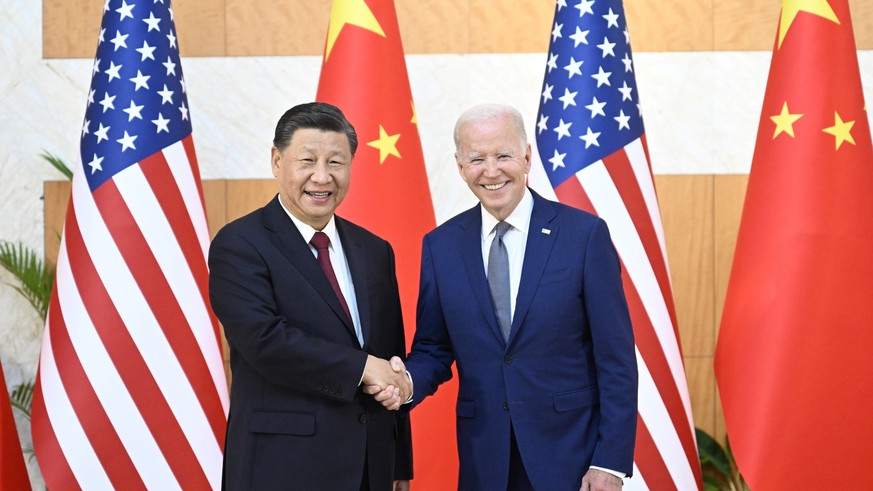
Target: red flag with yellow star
x=794, y=361
x=364, y=74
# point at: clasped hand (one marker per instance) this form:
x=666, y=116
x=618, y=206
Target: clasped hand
x=387, y=381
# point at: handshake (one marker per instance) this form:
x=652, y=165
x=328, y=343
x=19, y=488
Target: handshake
x=387, y=381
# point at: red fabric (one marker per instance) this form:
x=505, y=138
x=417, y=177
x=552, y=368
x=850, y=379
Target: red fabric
x=364, y=74
x=13, y=473
x=793, y=361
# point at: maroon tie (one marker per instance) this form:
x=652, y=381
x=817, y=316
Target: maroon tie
x=321, y=241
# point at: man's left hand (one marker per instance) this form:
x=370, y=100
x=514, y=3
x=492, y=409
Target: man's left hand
x=597, y=480
x=401, y=485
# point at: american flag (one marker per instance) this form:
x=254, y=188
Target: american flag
x=591, y=142
x=131, y=390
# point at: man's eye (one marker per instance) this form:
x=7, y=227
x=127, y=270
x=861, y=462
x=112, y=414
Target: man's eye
x=477, y=161
x=504, y=157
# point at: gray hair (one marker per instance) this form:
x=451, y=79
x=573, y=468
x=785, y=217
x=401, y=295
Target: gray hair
x=490, y=111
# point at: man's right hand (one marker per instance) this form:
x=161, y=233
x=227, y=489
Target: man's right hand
x=387, y=381
x=397, y=388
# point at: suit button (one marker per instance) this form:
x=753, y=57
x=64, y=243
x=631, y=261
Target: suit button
x=506, y=406
x=507, y=360
x=363, y=419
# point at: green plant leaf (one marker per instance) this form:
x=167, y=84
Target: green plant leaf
x=712, y=454
x=57, y=163
x=21, y=397
x=34, y=278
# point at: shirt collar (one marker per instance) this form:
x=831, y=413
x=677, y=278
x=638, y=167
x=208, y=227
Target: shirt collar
x=519, y=218
x=308, y=232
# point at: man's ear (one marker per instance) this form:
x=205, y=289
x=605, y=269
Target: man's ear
x=275, y=157
x=460, y=167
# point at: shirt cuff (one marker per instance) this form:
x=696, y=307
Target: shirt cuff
x=620, y=475
x=411, y=394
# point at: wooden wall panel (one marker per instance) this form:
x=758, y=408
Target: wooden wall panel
x=70, y=28
x=200, y=25
x=510, y=26
x=730, y=191
x=246, y=195
x=686, y=212
x=56, y=195
x=747, y=25
x=215, y=197
x=701, y=388
x=276, y=27
x=670, y=25
x=298, y=27
x=434, y=26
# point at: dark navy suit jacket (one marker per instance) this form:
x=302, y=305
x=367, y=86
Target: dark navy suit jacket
x=298, y=419
x=567, y=378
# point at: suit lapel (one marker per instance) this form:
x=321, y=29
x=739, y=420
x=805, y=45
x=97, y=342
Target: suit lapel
x=471, y=252
x=289, y=242
x=356, y=258
x=536, y=254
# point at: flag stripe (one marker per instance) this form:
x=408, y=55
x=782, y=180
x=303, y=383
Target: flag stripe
x=141, y=416
x=53, y=461
x=638, y=156
x=183, y=164
x=659, y=370
x=138, y=254
x=606, y=200
x=634, y=194
x=179, y=260
x=653, y=468
x=182, y=305
x=663, y=432
x=109, y=450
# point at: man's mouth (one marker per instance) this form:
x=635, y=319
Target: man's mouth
x=318, y=195
x=494, y=187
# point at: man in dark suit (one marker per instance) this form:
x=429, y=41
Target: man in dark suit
x=525, y=295
x=310, y=307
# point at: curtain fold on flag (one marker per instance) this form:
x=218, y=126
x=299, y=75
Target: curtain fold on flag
x=592, y=146
x=364, y=74
x=131, y=391
x=793, y=360
x=13, y=472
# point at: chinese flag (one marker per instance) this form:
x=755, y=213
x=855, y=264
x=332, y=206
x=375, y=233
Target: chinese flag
x=13, y=473
x=364, y=74
x=793, y=363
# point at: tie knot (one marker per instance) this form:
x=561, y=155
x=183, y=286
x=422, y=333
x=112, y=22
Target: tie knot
x=320, y=240
x=500, y=229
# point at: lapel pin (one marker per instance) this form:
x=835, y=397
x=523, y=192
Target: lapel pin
x=546, y=231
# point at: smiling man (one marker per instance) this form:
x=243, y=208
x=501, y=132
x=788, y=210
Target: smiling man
x=311, y=310
x=525, y=295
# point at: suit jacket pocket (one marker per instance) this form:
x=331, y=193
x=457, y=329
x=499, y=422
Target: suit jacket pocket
x=555, y=276
x=284, y=423
x=465, y=408
x=576, y=399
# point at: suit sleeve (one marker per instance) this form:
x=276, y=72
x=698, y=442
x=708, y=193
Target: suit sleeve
x=614, y=352
x=242, y=294
x=431, y=357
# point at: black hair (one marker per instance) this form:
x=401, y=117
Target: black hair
x=313, y=115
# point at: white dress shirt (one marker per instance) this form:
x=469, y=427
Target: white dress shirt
x=339, y=263
x=515, y=241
